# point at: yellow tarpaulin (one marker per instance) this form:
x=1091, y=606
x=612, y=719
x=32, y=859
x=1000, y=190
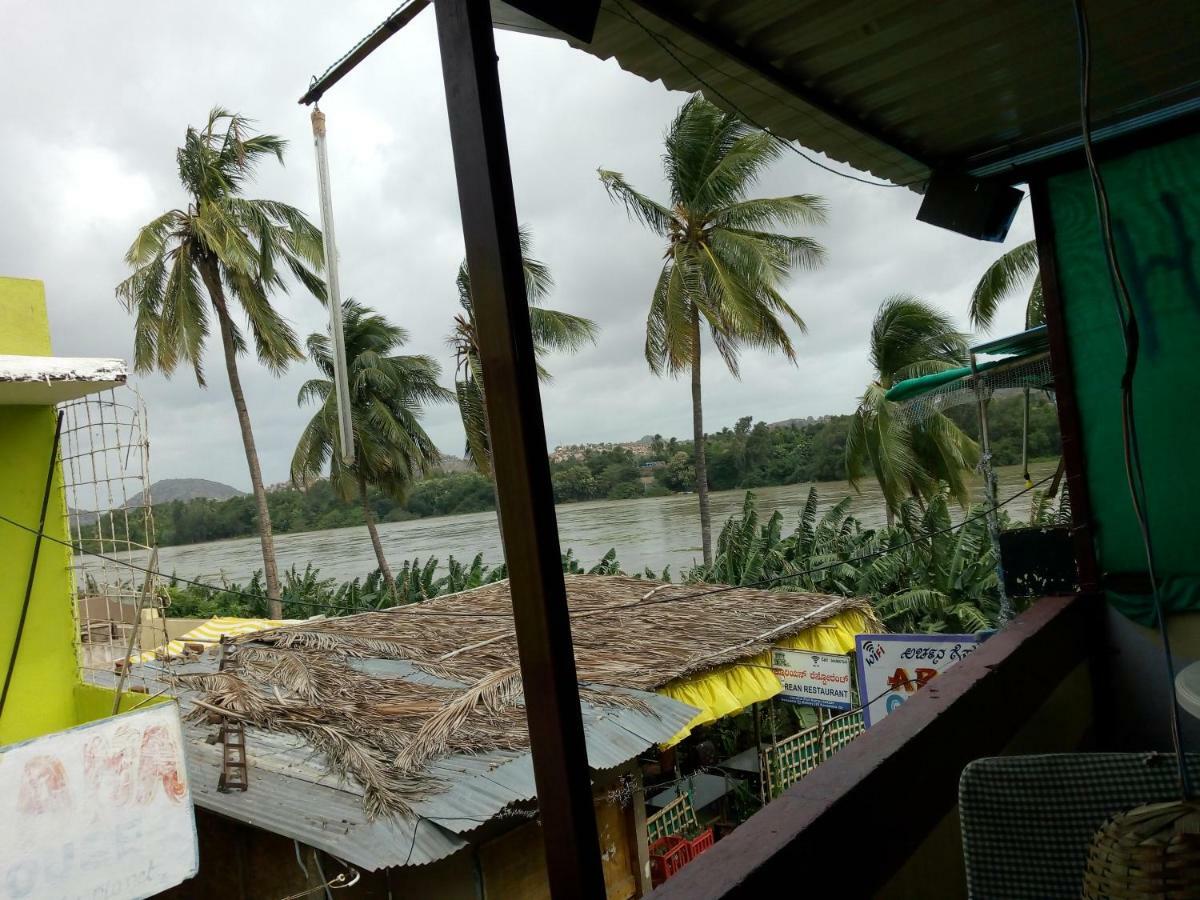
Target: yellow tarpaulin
x=210, y=633
x=730, y=689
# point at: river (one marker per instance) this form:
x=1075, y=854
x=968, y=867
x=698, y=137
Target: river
x=651, y=531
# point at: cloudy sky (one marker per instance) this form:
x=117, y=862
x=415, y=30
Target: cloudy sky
x=107, y=89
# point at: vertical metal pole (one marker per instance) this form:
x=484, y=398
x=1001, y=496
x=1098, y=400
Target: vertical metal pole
x=756, y=711
x=525, y=500
x=1025, y=440
x=340, y=376
x=993, y=496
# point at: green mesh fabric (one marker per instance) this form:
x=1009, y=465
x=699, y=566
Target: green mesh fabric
x=1154, y=194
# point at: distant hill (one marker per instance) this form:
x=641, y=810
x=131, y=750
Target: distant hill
x=169, y=489
x=165, y=491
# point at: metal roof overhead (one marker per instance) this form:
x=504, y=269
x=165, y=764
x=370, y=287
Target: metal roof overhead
x=49, y=380
x=898, y=88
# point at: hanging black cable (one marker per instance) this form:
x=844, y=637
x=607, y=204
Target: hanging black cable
x=1130, y=336
x=33, y=562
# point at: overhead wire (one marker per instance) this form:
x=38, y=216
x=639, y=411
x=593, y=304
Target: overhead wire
x=416, y=607
x=1131, y=339
x=258, y=598
x=841, y=562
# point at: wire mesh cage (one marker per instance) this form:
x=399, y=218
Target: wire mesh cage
x=105, y=462
x=1032, y=373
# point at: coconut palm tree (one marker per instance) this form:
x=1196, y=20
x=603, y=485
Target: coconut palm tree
x=552, y=329
x=909, y=338
x=387, y=393
x=723, y=267
x=1005, y=277
x=230, y=250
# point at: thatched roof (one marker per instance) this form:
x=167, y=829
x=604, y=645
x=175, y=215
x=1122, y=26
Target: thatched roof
x=319, y=680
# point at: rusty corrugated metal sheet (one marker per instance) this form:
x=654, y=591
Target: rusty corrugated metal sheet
x=957, y=84
x=293, y=792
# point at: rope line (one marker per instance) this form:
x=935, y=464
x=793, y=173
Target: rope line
x=641, y=602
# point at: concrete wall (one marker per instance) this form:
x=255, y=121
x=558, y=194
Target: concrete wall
x=42, y=696
x=1135, y=697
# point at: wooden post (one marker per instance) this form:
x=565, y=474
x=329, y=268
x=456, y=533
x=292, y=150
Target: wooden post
x=638, y=832
x=525, y=499
x=1069, y=422
x=136, y=631
x=756, y=711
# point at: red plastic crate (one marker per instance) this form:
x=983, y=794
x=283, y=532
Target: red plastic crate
x=667, y=856
x=701, y=842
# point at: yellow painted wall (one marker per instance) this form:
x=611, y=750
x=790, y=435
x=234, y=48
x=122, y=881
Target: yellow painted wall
x=42, y=696
x=24, y=329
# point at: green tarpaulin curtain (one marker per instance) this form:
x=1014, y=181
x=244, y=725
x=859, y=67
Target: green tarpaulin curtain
x=1154, y=194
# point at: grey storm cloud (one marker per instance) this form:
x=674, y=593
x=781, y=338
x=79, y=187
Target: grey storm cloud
x=106, y=91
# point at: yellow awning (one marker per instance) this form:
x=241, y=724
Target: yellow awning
x=210, y=633
x=730, y=689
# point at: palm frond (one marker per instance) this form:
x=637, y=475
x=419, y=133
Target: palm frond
x=654, y=216
x=1002, y=279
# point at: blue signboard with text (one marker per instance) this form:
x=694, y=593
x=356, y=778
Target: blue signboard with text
x=893, y=667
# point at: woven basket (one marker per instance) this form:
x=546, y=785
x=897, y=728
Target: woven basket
x=1150, y=851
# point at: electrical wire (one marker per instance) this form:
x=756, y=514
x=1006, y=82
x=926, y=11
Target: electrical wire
x=258, y=598
x=841, y=562
x=665, y=43
x=1130, y=336
x=416, y=607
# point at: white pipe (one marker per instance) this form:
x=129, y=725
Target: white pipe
x=340, y=377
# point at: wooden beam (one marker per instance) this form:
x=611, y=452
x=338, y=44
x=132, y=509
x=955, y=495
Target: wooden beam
x=1070, y=424
x=525, y=499
x=362, y=50
x=890, y=787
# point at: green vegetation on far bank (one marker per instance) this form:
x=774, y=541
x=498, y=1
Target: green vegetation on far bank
x=744, y=456
x=920, y=574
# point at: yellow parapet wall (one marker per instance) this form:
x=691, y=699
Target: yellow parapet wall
x=43, y=696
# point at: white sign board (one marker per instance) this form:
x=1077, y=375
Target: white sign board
x=98, y=811
x=893, y=667
x=813, y=679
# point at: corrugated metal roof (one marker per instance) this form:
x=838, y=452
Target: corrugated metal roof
x=937, y=84
x=293, y=793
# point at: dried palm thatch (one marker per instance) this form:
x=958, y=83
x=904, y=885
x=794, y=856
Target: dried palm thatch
x=383, y=731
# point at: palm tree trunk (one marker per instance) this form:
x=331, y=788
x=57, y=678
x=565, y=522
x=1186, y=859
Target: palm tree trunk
x=698, y=444
x=212, y=281
x=369, y=516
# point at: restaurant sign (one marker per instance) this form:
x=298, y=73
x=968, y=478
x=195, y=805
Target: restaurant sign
x=893, y=667
x=813, y=679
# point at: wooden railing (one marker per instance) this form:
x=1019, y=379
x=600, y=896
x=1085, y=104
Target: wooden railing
x=893, y=785
x=787, y=761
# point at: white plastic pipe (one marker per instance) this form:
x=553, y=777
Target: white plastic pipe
x=340, y=377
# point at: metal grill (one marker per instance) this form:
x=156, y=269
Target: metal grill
x=105, y=463
x=1033, y=373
